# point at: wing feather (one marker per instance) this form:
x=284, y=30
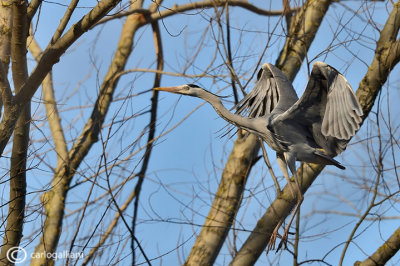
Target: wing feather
x=269, y=103
x=345, y=119
x=343, y=104
x=350, y=130
x=328, y=106
x=329, y=115
x=335, y=122
x=348, y=110
x=272, y=86
x=273, y=92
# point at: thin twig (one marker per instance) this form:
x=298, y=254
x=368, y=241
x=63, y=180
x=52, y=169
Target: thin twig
x=151, y=126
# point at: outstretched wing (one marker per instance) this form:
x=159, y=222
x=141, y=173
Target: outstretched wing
x=328, y=109
x=343, y=113
x=272, y=92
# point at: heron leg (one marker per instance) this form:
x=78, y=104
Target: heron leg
x=282, y=164
x=286, y=232
x=287, y=160
x=291, y=161
x=265, y=155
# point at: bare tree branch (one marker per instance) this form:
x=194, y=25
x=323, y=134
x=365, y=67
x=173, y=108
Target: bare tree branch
x=300, y=37
x=152, y=129
x=176, y=9
x=64, y=21
x=384, y=253
x=52, y=113
x=51, y=55
x=110, y=228
x=387, y=55
x=32, y=8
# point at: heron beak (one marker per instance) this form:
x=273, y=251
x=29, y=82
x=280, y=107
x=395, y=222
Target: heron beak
x=169, y=89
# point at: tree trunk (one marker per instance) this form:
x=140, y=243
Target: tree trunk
x=15, y=217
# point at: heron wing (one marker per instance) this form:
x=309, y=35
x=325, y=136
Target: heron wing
x=272, y=92
x=328, y=109
x=342, y=117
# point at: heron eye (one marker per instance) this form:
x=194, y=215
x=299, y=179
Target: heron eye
x=192, y=86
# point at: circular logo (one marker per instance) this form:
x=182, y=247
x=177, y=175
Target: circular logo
x=12, y=255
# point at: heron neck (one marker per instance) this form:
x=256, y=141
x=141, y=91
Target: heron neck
x=237, y=120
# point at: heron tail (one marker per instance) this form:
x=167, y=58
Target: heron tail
x=326, y=159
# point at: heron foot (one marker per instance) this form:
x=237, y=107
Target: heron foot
x=272, y=239
x=284, y=239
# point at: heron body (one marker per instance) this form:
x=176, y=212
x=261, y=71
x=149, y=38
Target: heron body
x=312, y=129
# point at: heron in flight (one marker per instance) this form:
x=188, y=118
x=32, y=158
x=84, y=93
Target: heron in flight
x=312, y=129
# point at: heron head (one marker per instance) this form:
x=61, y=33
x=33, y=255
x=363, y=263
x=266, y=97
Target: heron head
x=187, y=89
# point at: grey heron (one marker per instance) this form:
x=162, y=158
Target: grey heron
x=312, y=129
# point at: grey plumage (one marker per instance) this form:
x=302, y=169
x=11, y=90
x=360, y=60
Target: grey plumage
x=326, y=116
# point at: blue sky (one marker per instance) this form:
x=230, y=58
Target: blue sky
x=187, y=162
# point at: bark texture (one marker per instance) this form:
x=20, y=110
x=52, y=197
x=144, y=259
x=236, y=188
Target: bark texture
x=5, y=32
x=16, y=212
x=5, y=39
